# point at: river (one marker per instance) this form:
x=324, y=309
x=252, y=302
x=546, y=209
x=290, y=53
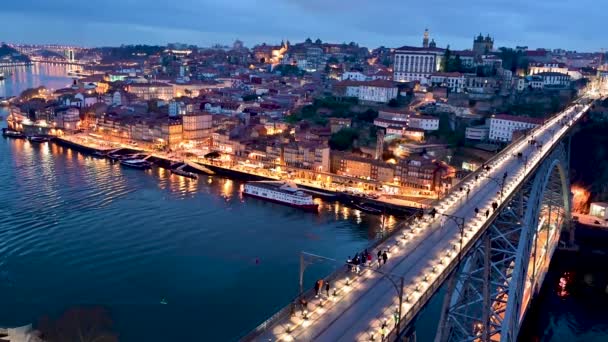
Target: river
x=52, y=76
x=76, y=230
x=79, y=230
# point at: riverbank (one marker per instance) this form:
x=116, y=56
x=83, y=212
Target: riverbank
x=380, y=205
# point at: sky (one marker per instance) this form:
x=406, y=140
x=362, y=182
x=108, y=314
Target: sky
x=572, y=25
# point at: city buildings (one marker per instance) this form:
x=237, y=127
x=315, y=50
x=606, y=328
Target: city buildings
x=197, y=126
x=503, y=126
x=417, y=63
x=149, y=91
x=554, y=79
x=480, y=133
x=454, y=81
x=377, y=91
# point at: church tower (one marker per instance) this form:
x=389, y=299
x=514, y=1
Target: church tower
x=379, y=144
x=425, y=40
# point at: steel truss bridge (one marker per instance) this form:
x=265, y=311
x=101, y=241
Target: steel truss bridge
x=488, y=243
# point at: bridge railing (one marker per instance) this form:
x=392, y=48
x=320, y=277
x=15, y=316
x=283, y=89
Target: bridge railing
x=394, y=334
x=339, y=274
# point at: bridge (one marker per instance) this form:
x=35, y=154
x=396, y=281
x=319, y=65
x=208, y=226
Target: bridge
x=50, y=53
x=488, y=243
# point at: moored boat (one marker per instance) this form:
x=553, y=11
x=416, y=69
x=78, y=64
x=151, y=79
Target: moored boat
x=12, y=134
x=136, y=163
x=281, y=192
x=38, y=139
x=367, y=209
x=183, y=173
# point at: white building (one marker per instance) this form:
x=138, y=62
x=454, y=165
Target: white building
x=537, y=68
x=117, y=98
x=554, y=79
x=386, y=123
x=416, y=63
x=599, y=209
x=68, y=119
x=354, y=76
x=397, y=114
x=502, y=126
x=454, y=81
x=477, y=132
x=378, y=91
x=425, y=122
x=534, y=82
x=520, y=83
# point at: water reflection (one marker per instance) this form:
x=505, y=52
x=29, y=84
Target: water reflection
x=89, y=230
x=52, y=76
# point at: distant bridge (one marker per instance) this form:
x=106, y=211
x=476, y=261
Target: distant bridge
x=489, y=241
x=50, y=53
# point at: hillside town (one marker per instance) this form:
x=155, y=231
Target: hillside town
x=400, y=124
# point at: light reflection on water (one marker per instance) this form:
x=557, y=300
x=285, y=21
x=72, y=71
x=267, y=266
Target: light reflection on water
x=91, y=231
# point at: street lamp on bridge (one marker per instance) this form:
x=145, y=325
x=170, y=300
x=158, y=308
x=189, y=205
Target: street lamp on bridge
x=500, y=182
x=456, y=219
x=398, y=283
x=307, y=259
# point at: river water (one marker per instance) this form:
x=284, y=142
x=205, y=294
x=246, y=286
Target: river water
x=52, y=76
x=75, y=230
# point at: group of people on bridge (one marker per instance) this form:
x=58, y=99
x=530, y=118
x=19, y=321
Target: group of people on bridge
x=366, y=259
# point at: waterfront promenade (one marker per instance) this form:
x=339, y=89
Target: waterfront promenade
x=306, y=178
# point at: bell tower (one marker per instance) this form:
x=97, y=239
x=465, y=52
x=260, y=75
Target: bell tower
x=425, y=40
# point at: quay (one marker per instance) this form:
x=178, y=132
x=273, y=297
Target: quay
x=383, y=204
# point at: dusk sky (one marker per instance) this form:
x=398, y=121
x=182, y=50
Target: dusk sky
x=541, y=23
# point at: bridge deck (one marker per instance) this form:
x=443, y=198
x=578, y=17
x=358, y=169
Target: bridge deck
x=362, y=304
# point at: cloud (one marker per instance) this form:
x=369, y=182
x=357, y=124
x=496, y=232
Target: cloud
x=541, y=23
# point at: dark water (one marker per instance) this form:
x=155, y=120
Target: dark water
x=52, y=76
x=573, y=303
x=77, y=230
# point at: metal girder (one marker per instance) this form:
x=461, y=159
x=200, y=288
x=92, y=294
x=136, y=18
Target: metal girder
x=486, y=292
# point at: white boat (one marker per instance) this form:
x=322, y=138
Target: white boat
x=280, y=192
x=136, y=163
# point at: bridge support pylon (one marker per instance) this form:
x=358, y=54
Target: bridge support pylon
x=490, y=291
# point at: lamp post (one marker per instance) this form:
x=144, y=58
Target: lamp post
x=501, y=182
x=307, y=259
x=398, y=287
x=456, y=219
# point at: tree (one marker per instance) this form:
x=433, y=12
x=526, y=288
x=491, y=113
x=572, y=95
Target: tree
x=332, y=60
x=343, y=139
x=249, y=97
x=393, y=103
x=456, y=65
x=447, y=56
x=78, y=324
x=289, y=70
x=31, y=93
x=367, y=116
